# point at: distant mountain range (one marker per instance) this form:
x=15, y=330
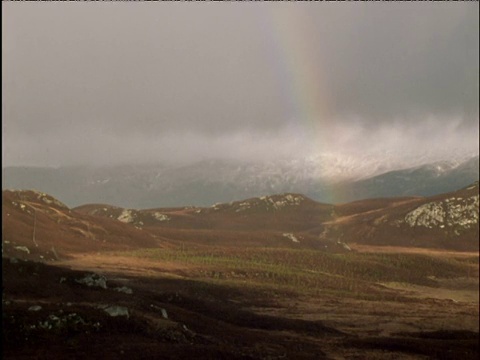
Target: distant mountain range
x=222, y=181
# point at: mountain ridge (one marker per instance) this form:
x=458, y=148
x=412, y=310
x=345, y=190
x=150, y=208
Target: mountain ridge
x=209, y=182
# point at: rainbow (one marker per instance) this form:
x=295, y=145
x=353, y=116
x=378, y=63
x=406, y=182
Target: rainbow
x=303, y=78
x=298, y=67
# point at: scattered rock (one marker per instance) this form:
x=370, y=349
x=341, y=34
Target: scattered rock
x=126, y=216
x=164, y=313
x=160, y=217
x=345, y=246
x=114, y=310
x=291, y=237
x=55, y=322
x=162, y=310
x=283, y=201
x=459, y=212
x=124, y=289
x=23, y=248
x=93, y=280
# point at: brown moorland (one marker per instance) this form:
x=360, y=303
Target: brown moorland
x=279, y=277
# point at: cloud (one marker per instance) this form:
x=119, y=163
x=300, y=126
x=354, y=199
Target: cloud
x=396, y=144
x=110, y=83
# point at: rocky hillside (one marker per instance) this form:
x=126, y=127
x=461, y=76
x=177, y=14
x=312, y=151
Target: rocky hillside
x=38, y=226
x=456, y=213
x=276, y=212
x=447, y=221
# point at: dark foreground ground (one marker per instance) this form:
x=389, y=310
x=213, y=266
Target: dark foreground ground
x=52, y=312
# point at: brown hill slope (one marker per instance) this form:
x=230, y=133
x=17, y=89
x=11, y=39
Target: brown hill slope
x=443, y=221
x=277, y=212
x=279, y=220
x=36, y=226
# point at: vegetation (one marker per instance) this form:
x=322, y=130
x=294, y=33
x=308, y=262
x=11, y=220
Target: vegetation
x=311, y=272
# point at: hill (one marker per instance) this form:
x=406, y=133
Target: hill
x=447, y=221
x=38, y=226
x=268, y=277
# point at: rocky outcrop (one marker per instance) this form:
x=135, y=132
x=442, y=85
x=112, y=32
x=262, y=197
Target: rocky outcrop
x=126, y=216
x=273, y=202
x=455, y=212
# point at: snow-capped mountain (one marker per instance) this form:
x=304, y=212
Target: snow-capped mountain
x=325, y=178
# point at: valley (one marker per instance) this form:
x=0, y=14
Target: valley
x=276, y=277
x=240, y=181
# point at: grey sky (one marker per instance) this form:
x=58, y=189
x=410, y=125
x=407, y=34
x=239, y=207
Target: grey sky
x=121, y=82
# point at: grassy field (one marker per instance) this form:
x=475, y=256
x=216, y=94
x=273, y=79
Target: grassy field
x=307, y=272
x=247, y=303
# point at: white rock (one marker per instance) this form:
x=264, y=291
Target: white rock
x=449, y=212
x=93, y=280
x=23, y=248
x=124, y=289
x=291, y=237
x=115, y=310
x=164, y=313
x=160, y=217
x=126, y=216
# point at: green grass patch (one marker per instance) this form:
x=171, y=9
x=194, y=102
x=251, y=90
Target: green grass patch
x=309, y=271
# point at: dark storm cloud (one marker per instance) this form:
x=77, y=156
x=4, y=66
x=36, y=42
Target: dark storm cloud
x=105, y=83
x=139, y=68
x=404, y=61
